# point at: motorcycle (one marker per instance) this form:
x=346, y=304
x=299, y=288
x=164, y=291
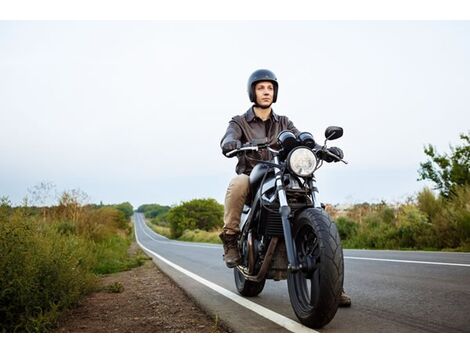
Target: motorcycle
x=286, y=232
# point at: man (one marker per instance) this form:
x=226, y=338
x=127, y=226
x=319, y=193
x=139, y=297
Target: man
x=259, y=122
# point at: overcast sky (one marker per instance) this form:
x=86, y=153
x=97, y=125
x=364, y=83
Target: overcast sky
x=134, y=111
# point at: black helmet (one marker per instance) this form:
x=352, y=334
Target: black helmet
x=260, y=76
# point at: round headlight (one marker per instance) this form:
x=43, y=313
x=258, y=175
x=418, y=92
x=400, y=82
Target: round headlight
x=302, y=161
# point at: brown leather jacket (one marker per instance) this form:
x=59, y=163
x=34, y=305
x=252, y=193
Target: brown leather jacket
x=248, y=127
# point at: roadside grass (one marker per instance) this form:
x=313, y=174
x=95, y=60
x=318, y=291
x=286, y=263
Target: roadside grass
x=112, y=255
x=201, y=236
x=51, y=259
x=161, y=230
x=428, y=222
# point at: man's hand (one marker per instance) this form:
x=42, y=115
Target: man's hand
x=229, y=146
x=333, y=150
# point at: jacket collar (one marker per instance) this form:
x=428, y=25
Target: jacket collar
x=250, y=115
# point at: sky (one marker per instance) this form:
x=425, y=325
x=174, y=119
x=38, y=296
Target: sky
x=135, y=110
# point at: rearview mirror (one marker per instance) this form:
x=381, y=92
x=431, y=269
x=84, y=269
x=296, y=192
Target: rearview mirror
x=333, y=132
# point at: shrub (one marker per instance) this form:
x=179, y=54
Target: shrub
x=112, y=256
x=126, y=208
x=204, y=214
x=49, y=262
x=43, y=272
x=347, y=227
x=452, y=223
x=428, y=203
x=413, y=228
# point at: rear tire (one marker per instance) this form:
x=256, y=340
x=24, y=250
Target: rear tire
x=245, y=287
x=314, y=296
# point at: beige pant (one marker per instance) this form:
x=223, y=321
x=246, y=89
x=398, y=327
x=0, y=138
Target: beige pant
x=235, y=198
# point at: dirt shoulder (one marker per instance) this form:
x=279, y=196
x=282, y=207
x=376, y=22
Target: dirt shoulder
x=149, y=301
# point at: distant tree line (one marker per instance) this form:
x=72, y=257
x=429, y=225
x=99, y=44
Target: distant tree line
x=155, y=212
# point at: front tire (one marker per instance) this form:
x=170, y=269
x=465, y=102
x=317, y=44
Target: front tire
x=314, y=295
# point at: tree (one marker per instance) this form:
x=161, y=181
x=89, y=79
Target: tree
x=126, y=208
x=203, y=214
x=155, y=212
x=447, y=171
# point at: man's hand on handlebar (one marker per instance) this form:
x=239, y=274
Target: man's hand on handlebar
x=227, y=147
x=326, y=155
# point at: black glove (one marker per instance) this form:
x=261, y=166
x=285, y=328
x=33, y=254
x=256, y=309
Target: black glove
x=333, y=150
x=229, y=146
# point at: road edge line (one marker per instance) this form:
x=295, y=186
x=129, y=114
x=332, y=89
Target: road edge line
x=407, y=261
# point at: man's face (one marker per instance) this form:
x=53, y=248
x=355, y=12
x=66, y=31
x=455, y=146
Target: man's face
x=264, y=94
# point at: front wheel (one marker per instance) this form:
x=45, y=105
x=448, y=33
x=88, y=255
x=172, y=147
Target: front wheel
x=314, y=292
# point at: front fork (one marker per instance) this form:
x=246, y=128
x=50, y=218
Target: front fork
x=315, y=200
x=284, y=211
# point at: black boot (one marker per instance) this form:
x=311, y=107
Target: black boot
x=231, y=253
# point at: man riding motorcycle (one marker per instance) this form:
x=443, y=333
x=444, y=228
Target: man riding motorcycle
x=259, y=122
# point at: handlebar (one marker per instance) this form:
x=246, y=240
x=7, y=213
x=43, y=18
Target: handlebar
x=253, y=148
x=257, y=147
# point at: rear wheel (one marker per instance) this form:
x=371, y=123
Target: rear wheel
x=314, y=292
x=245, y=287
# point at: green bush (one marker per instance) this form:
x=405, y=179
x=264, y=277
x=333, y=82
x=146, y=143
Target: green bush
x=347, y=228
x=126, y=208
x=43, y=273
x=112, y=256
x=413, y=228
x=452, y=223
x=428, y=203
x=203, y=214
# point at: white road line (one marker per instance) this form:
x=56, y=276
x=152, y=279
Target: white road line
x=277, y=318
x=407, y=251
x=407, y=261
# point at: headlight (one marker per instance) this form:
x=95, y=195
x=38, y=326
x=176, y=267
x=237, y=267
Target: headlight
x=302, y=162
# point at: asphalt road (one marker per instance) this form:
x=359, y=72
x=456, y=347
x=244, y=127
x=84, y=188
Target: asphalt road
x=392, y=291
